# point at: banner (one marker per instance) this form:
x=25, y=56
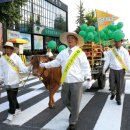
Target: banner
x=12, y=34
x=38, y=42
x=104, y=19
x=28, y=38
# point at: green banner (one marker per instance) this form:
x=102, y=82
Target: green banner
x=51, y=32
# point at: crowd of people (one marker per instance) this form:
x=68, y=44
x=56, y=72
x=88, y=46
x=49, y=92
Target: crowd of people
x=75, y=70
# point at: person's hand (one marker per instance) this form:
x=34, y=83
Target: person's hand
x=42, y=64
x=30, y=68
x=88, y=78
x=1, y=82
x=104, y=72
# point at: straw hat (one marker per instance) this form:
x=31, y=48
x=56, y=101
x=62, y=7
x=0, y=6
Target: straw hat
x=9, y=44
x=63, y=38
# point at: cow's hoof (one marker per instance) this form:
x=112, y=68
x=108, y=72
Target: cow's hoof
x=52, y=106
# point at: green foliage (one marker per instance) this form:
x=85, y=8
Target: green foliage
x=10, y=12
x=90, y=17
x=60, y=23
x=80, y=18
x=30, y=24
x=38, y=20
x=86, y=19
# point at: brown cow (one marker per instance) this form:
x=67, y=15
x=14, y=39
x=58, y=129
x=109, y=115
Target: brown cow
x=50, y=77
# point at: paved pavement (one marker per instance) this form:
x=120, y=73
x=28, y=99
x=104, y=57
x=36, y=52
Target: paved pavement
x=97, y=111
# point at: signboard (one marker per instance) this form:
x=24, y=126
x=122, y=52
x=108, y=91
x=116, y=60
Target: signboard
x=12, y=34
x=59, y=4
x=51, y=32
x=104, y=19
x=3, y=1
x=28, y=38
x=38, y=42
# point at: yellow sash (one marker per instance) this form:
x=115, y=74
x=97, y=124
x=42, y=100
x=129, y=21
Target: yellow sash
x=70, y=63
x=119, y=58
x=11, y=63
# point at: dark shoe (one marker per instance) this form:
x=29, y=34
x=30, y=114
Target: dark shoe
x=71, y=127
x=69, y=116
x=112, y=97
x=118, y=102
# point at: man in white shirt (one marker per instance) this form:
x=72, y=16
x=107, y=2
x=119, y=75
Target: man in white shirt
x=10, y=65
x=117, y=67
x=80, y=69
x=1, y=53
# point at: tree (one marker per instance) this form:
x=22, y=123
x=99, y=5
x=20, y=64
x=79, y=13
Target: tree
x=38, y=20
x=10, y=12
x=30, y=24
x=60, y=23
x=90, y=17
x=80, y=18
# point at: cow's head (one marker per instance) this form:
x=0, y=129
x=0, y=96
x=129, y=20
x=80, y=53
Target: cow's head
x=35, y=61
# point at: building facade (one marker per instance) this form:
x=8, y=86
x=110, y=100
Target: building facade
x=42, y=21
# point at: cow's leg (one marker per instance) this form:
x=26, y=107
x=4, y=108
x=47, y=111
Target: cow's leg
x=52, y=92
x=51, y=104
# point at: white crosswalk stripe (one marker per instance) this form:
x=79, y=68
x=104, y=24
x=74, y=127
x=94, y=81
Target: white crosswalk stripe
x=112, y=112
x=109, y=113
x=25, y=97
x=62, y=117
x=33, y=111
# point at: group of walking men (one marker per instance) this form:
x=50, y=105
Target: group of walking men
x=75, y=70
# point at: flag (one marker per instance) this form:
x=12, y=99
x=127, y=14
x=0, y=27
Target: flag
x=104, y=19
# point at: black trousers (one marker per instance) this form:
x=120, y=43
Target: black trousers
x=12, y=98
x=116, y=79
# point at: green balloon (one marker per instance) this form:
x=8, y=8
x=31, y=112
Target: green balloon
x=105, y=30
x=83, y=27
x=111, y=35
x=82, y=33
x=118, y=35
x=96, y=40
x=102, y=35
x=51, y=44
x=90, y=37
x=119, y=25
x=91, y=29
x=61, y=48
x=112, y=27
x=95, y=33
x=106, y=38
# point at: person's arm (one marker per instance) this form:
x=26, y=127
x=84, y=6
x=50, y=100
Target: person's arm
x=85, y=66
x=1, y=72
x=54, y=63
x=127, y=60
x=22, y=67
x=107, y=62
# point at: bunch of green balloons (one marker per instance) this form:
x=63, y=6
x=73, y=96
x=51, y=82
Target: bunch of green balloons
x=112, y=31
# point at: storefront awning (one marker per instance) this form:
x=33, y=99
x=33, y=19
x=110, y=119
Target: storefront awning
x=19, y=41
